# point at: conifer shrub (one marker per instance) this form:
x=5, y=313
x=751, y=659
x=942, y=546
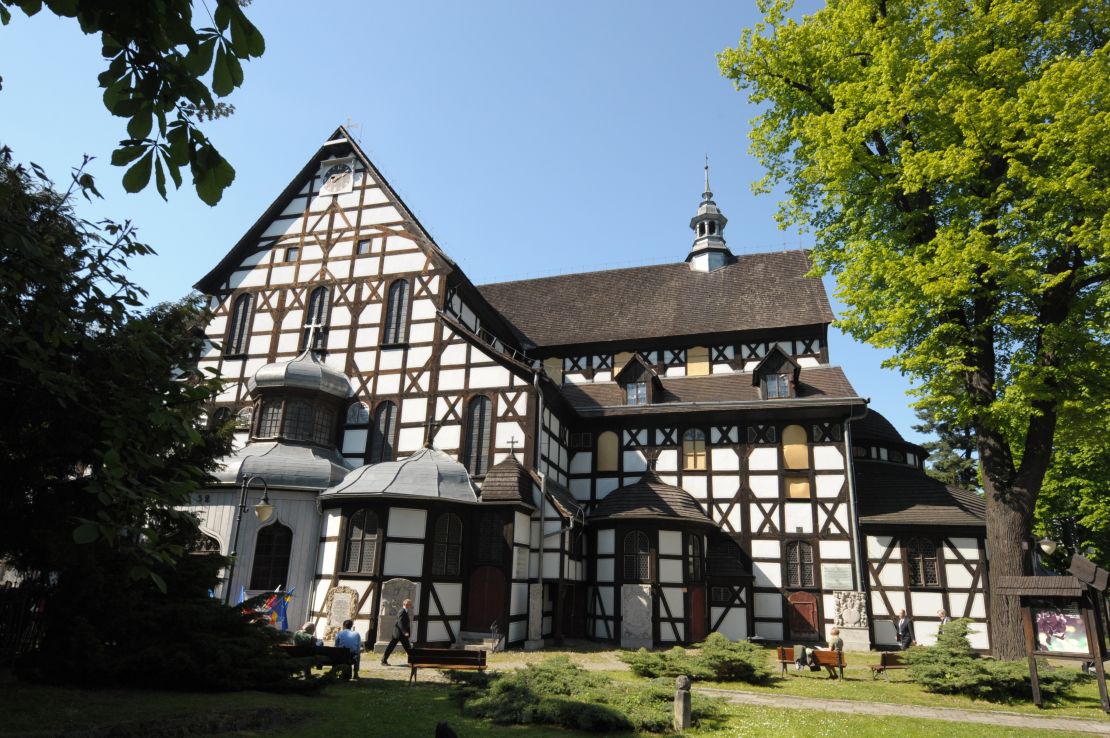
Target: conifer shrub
x=715, y=658
x=952, y=667
x=557, y=692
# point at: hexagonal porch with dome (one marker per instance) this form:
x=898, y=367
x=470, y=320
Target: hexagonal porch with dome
x=555, y=395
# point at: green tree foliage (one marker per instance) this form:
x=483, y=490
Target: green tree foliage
x=716, y=658
x=952, y=454
x=103, y=435
x=952, y=158
x=951, y=667
x=163, y=75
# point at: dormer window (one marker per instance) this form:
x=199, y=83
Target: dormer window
x=776, y=375
x=639, y=381
x=776, y=386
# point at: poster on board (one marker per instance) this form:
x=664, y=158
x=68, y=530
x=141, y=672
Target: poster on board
x=1059, y=628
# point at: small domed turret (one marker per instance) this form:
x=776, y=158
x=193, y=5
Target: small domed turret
x=709, y=251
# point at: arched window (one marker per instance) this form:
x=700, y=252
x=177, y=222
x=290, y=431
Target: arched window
x=799, y=564
x=316, y=320
x=921, y=561
x=362, y=542
x=607, y=448
x=205, y=545
x=381, y=434
x=795, y=447
x=491, y=539
x=397, y=313
x=269, y=424
x=693, y=450
x=476, y=450
x=219, y=417
x=637, y=557
x=695, y=561
x=271, y=557
x=298, y=420
x=447, y=549
x=243, y=418
x=358, y=414
x=237, y=332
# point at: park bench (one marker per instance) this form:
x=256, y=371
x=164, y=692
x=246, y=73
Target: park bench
x=445, y=658
x=828, y=659
x=321, y=655
x=887, y=660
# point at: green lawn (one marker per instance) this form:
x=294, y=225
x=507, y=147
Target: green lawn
x=392, y=708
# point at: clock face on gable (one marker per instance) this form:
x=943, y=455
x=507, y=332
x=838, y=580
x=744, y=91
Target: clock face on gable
x=337, y=178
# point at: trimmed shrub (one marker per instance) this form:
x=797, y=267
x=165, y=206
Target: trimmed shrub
x=715, y=658
x=952, y=667
x=556, y=692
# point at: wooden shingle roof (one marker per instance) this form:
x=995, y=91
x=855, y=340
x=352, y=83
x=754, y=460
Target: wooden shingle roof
x=757, y=291
x=895, y=494
x=1039, y=586
x=508, y=481
x=650, y=498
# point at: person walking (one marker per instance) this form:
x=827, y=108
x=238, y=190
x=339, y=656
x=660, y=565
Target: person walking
x=904, y=630
x=401, y=631
x=942, y=615
x=350, y=639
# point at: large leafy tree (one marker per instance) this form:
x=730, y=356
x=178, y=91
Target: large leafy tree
x=163, y=75
x=952, y=453
x=952, y=158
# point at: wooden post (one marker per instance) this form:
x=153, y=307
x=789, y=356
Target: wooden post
x=1031, y=649
x=1093, y=624
x=682, y=713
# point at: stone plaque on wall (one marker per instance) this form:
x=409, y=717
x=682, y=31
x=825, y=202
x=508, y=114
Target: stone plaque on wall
x=636, y=616
x=394, y=594
x=341, y=604
x=836, y=576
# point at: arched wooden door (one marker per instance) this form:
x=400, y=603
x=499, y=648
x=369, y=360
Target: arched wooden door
x=802, y=615
x=485, y=602
x=696, y=627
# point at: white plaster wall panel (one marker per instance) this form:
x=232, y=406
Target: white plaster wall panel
x=285, y=274
x=834, y=550
x=841, y=515
x=721, y=369
x=488, y=376
x=808, y=361
x=957, y=576
x=675, y=371
x=769, y=631
x=603, y=377
x=333, y=521
x=251, y=366
x=605, y=596
x=670, y=570
x=829, y=485
x=897, y=601
x=550, y=565
x=876, y=547
x=828, y=603
x=798, y=517
x=283, y=227
x=403, y=559
x=925, y=632
x=319, y=596
x=450, y=596
x=437, y=633
x=311, y=252
x=977, y=637
x=580, y=488
x=534, y=565
x=667, y=460
x=338, y=340
x=247, y=278
x=767, y=574
x=735, y=518
x=521, y=528
x=673, y=596
x=891, y=575
x=452, y=379
x=329, y=557
x=422, y=332
x=406, y=522
x=506, y=432
x=755, y=514
x=521, y=406
x=764, y=458
x=957, y=602
x=293, y=321
x=734, y=626
x=375, y=216
x=884, y=632
x=419, y=356
x=764, y=549
x=600, y=630
x=391, y=358
x=926, y=603
x=978, y=608
x=605, y=570
x=764, y=486
x=575, y=378
x=454, y=354
x=410, y=439
x=218, y=325
x=606, y=541
x=262, y=322
x=423, y=309
x=768, y=605
x=725, y=459
x=414, y=409
x=400, y=263
x=358, y=585
x=448, y=437
x=670, y=543
x=387, y=384
x=604, y=486
x=634, y=461
x=365, y=266
x=967, y=547
x=696, y=486
x=339, y=253
x=518, y=599
x=229, y=394
x=374, y=196
x=354, y=441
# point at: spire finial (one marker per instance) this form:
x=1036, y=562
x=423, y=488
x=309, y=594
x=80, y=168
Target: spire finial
x=707, y=192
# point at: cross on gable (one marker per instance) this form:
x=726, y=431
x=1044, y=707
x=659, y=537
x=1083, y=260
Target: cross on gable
x=512, y=445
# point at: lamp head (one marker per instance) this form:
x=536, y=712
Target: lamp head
x=1047, y=545
x=264, y=510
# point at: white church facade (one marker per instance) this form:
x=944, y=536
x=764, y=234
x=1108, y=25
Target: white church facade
x=639, y=456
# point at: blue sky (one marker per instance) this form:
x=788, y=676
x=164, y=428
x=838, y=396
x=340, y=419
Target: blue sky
x=529, y=138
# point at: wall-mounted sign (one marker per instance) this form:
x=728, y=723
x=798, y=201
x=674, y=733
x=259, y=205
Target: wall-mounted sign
x=836, y=576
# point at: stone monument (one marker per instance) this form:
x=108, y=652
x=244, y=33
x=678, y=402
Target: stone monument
x=851, y=617
x=636, y=616
x=394, y=594
x=683, y=717
x=341, y=604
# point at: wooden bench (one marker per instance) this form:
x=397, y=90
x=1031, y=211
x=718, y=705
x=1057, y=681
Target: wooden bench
x=445, y=658
x=321, y=655
x=828, y=659
x=887, y=660
x=785, y=656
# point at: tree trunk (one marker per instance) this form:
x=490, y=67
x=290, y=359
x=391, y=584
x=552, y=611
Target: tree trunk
x=1007, y=527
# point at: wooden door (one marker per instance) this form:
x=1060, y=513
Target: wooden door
x=486, y=599
x=696, y=625
x=802, y=615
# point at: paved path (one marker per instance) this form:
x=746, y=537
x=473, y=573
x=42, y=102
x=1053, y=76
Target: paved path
x=883, y=709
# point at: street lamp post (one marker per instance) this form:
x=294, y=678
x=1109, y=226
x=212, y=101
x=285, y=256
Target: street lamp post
x=263, y=511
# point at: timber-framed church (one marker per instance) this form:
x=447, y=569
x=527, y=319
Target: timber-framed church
x=638, y=456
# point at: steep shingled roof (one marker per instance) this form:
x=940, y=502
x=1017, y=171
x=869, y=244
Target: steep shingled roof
x=650, y=497
x=875, y=427
x=508, y=481
x=757, y=291
x=894, y=494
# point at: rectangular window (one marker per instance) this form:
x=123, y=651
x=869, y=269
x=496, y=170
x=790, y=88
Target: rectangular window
x=365, y=246
x=777, y=385
x=292, y=253
x=636, y=393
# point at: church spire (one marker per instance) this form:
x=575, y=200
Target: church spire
x=709, y=251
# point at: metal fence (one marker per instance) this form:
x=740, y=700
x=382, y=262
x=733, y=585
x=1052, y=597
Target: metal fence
x=21, y=611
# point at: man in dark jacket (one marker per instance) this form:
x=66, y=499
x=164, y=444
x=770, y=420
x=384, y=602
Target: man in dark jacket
x=401, y=630
x=904, y=629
